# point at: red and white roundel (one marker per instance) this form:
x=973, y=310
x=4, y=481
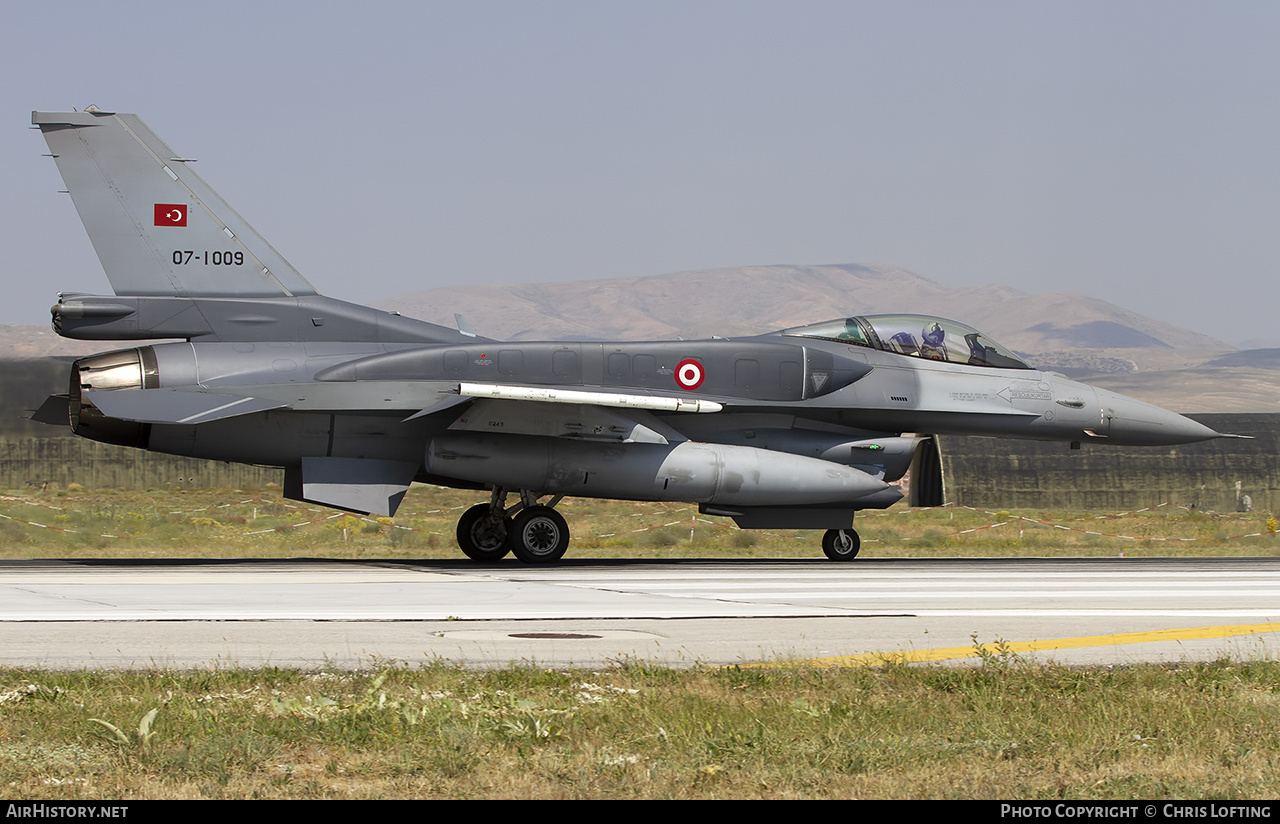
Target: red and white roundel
x=689, y=374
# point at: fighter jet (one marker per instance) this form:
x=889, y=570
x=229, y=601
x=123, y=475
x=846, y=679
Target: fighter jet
x=799, y=428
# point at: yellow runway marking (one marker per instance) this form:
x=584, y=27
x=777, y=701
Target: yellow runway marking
x=872, y=659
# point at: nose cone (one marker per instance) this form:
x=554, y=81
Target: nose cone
x=1129, y=422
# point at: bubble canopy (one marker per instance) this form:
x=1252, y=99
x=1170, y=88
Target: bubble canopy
x=920, y=336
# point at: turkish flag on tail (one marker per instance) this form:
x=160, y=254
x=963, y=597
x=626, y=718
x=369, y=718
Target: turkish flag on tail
x=171, y=214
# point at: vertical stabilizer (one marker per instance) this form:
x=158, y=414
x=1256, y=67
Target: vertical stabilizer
x=156, y=225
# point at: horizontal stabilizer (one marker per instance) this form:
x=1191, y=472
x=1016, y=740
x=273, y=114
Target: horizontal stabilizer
x=175, y=406
x=55, y=410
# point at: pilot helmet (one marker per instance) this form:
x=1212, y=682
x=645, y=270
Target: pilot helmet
x=933, y=334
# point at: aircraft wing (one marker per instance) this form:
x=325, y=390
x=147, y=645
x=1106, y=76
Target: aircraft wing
x=176, y=406
x=194, y=405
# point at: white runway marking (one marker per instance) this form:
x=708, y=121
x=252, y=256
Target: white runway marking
x=65, y=613
x=349, y=591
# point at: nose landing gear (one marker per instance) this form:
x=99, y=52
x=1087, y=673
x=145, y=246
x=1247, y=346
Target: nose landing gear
x=841, y=544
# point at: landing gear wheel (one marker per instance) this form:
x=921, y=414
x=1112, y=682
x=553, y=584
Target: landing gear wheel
x=538, y=535
x=483, y=535
x=841, y=544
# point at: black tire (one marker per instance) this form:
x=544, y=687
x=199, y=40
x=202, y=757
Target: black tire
x=481, y=536
x=841, y=544
x=538, y=535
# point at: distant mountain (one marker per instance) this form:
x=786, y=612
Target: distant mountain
x=755, y=299
x=1074, y=334
x=1097, y=334
x=1255, y=358
x=1080, y=336
x=20, y=340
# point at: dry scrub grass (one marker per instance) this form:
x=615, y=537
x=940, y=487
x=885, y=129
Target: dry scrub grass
x=1004, y=729
x=260, y=523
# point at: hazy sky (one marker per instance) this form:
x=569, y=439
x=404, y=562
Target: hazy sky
x=1125, y=150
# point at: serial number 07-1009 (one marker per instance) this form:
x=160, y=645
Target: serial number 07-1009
x=182, y=258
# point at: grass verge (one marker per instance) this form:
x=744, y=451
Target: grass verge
x=259, y=523
x=1004, y=729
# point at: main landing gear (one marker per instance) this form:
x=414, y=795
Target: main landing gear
x=535, y=533
x=538, y=534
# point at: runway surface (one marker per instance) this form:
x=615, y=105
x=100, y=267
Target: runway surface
x=70, y=614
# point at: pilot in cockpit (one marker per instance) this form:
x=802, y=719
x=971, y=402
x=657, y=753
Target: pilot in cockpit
x=934, y=342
